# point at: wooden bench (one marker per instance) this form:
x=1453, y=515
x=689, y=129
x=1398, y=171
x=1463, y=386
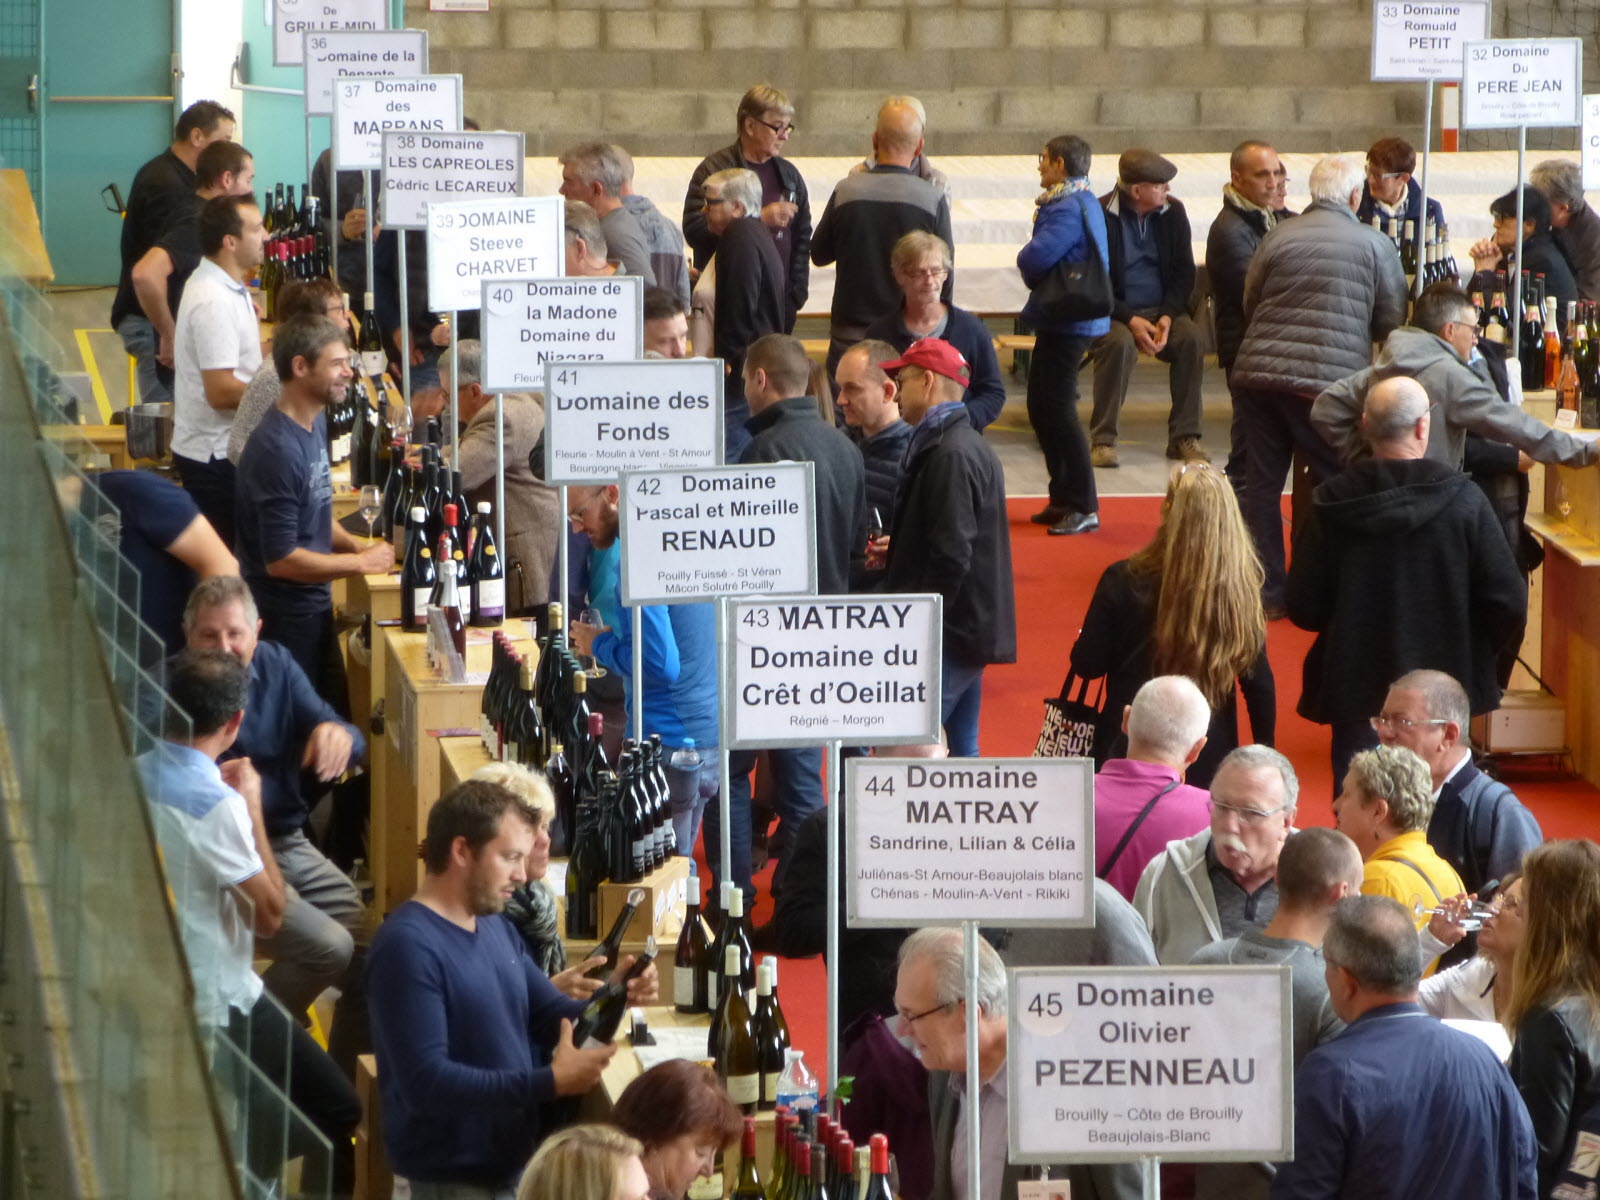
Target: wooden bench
x=1008, y=345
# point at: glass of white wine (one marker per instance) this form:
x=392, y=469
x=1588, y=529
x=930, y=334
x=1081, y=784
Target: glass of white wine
x=371, y=504
x=591, y=667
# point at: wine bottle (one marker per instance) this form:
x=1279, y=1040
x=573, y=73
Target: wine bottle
x=416, y=576
x=369, y=342
x=666, y=840
x=689, y=961
x=397, y=497
x=749, y=1185
x=819, y=1172
x=450, y=600
x=1408, y=255
x=530, y=729
x=878, y=1184
x=585, y=872
x=597, y=1024
x=1552, y=343
x=464, y=511
x=800, y=1156
x=770, y=1042
x=563, y=787
x=485, y=575
x=1498, y=328
x=778, y=1175
x=577, y=731
x=736, y=1046
x=844, y=1161
x=612, y=946
x=550, y=654
x=862, y=1173
x=641, y=829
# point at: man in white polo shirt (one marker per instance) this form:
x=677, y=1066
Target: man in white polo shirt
x=216, y=352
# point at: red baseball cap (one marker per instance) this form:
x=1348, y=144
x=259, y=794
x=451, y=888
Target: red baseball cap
x=936, y=355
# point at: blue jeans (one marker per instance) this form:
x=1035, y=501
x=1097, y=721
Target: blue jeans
x=960, y=698
x=139, y=339
x=690, y=792
x=798, y=776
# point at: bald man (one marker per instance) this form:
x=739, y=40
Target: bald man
x=867, y=214
x=1400, y=566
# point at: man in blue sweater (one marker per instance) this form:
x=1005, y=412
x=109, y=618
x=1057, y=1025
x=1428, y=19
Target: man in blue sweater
x=679, y=662
x=472, y=1038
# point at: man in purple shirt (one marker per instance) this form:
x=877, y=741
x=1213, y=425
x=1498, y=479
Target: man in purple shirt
x=1141, y=802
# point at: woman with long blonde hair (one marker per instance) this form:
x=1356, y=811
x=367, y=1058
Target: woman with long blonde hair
x=585, y=1162
x=1554, y=1012
x=1189, y=603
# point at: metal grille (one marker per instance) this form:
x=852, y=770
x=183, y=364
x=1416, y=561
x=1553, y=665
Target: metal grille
x=20, y=35
x=1540, y=19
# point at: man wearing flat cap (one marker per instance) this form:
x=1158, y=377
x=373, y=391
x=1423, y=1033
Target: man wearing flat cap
x=951, y=534
x=1152, y=277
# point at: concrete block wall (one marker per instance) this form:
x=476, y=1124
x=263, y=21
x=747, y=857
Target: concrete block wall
x=997, y=76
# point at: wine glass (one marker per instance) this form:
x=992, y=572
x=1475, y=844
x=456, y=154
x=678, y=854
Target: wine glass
x=591, y=668
x=400, y=422
x=1471, y=920
x=371, y=504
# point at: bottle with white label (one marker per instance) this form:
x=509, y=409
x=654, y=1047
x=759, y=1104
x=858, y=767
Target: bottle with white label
x=417, y=574
x=689, y=975
x=369, y=346
x=486, y=576
x=738, y=1062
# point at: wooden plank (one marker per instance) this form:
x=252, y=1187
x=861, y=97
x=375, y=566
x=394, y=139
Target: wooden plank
x=26, y=255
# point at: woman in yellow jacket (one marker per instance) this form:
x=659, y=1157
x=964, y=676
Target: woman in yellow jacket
x=1385, y=808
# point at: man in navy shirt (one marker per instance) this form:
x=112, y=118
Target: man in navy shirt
x=288, y=730
x=472, y=1037
x=1399, y=1105
x=290, y=549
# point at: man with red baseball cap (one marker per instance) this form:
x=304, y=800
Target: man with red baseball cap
x=951, y=534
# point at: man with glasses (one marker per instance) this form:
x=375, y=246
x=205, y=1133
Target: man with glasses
x=1221, y=882
x=1400, y=565
x=1478, y=825
x=1390, y=193
x=1152, y=278
x=764, y=121
x=932, y=1014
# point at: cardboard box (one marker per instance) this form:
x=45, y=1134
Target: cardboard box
x=1527, y=722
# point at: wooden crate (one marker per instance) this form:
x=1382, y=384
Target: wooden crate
x=667, y=891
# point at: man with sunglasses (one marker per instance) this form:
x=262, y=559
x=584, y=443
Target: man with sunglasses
x=1221, y=882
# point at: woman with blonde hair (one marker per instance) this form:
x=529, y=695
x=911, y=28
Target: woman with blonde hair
x=1188, y=604
x=585, y=1162
x=1554, y=1012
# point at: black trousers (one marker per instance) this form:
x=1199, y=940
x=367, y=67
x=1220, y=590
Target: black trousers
x=211, y=485
x=1053, y=412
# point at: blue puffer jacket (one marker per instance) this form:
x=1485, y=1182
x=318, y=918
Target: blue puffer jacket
x=1058, y=233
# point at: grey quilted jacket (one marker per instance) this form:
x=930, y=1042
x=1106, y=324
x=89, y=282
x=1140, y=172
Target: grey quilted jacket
x=1321, y=290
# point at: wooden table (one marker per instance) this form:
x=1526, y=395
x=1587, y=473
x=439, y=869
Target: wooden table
x=1569, y=644
x=373, y=598
x=25, y=255
x=417, y=706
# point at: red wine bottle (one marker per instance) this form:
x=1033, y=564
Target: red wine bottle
x=417, y=575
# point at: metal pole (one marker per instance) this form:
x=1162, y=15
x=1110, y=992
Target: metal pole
x=1514, y=284
x=1150, y=1177
x=725, y=776
x=405, y=319
x=1427, y=143
x=500, y=475
x=310, y=161
x=831, y=799
x=969, y=960
x=455, y=396
x=561, y=555
x=366, y=199
x=637, y=617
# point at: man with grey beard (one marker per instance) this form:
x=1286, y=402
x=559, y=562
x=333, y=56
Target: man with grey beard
x=1221, y=882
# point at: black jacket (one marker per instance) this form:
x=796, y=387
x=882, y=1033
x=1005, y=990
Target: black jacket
x=952, y=536
x=704, y=243
x=1401, y=565
x=1540, y=256
x=749, y=298
x=1230, y=245
x=1553, y=1063
x=865, y=216
x=793, y=431
x=1174, y=249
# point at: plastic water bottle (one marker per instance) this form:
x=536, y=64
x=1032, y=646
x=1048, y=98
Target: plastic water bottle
x=797, y=1086
x=686, y=757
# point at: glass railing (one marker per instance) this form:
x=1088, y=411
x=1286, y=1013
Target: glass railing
x=119, y=1088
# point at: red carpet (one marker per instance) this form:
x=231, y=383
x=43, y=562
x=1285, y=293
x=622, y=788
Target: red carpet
x=1055, y=576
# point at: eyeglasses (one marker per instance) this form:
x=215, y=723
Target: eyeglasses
x=924, y=272
x=1250, y=816
x=1383, y=721
x=576, y=516
x=780, y=130
x=908, y=1020
x=711, y=201
x=1374, y=173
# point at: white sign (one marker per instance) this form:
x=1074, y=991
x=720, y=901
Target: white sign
x=530, y=322
x=1532, y=82
x=364, y=108
x=291, y=18
x=1591, y=142
x=473, y=240
x=1110, y=1064
x=1412, y=40
x=723, y=531
x=331, y=55
x=939, y=841
x=859, y=669
x=604, y=418
x=428, y=168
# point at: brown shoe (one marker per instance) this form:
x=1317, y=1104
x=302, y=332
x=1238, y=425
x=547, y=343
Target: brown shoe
x=1104, y=456
x=1187, y=449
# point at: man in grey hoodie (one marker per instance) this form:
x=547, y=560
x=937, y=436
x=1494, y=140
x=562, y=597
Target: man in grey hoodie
x=1437, y=350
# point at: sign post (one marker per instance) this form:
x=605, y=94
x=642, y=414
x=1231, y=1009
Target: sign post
x=1591, y=142
x=831, y=669
x=1121, y=1064
x=1517, y=83
x=1422, y=41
